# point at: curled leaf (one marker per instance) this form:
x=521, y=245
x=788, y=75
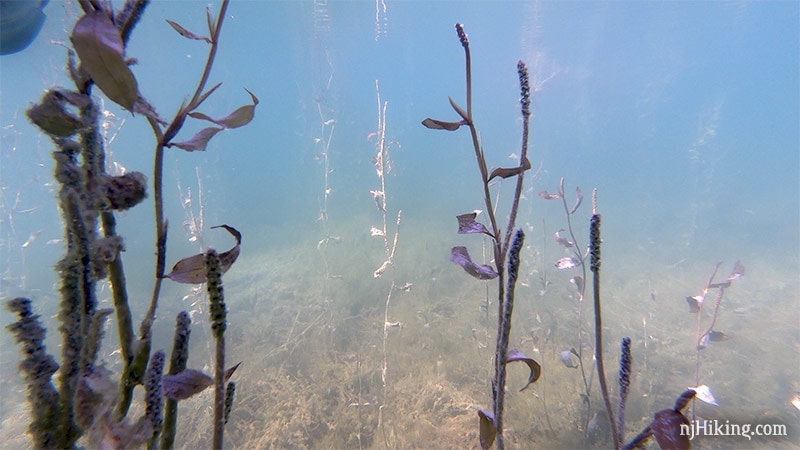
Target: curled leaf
x=562, y=240
x=467, y=224
x=199, y=141
x=578, y=201
x=738, y=272
x=548, y=196
x=695, y=303
x=536, y=369
x=185, y=384
x=567, y=263
x=434, y=124
x=192, y=270
x=186, y=33
x=238, y=118
x=101, y=51
x=510, y=172
x=566, y=358
x=487, y=429
x=460, y=256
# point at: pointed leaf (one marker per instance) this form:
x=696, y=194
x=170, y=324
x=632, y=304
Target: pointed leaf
x=458, y=109
x=186, y=33
x=536, y=369
x=238, y=118
x=199, y=141
x=101, y=51
x=434, y=124
x=205, y=94
x=229, y=372
x=185, y=384
x=487, y=429
x=460, y=256
x=467, y=224
x=210, y=19
x=192, y=270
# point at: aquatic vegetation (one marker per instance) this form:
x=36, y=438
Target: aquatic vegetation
x=504, y=248
x=20, y=23
x=86, y=406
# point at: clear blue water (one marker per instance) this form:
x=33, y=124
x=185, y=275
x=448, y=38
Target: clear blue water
x=683, y=115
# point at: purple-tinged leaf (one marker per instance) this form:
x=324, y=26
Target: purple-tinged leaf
x=487, y=429
x=205, y=94
x=695, y=303
x=186, y=33
x=703, y=393
x=566, y=358
x=717, y=336
x=548, y=196
x=578, y=201
x=577, y=280
x=185, y=384
x=199, y=141
x=229, y=372
x=434, y=124
x=666, y=428
x=458, y=109
x=536, y=369
x=567, y=263
x=561, y=240
x=737, y=273
x=210, y=19
x=192, y=270
x=467, y=224
x=101, y=51
x=238, y=118
x=460, y=256
x=510, y=172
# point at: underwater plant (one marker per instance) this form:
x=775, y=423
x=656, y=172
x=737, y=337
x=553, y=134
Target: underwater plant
x=503, y=247
x=85, y=406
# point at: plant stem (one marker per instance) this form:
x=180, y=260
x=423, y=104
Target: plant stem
x=594, y=250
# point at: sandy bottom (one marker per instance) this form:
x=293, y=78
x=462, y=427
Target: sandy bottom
x=319, y=372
